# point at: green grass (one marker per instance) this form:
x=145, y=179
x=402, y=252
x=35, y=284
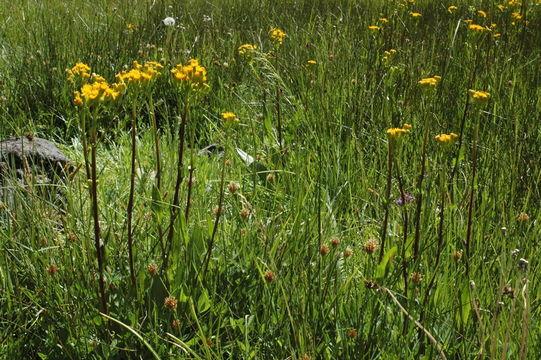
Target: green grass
x=330, y=181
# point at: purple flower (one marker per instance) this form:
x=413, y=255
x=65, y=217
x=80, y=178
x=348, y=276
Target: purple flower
x=404, y=199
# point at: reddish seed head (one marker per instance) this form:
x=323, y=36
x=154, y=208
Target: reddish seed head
x=369, y=284
x=457, y=255
x=335, y=241
x=170, y=302
x=348, y=252
x=52, y=269
x=523, y=217
x=416, y=278
x=370, y=246
x=245, y=213
x=233, y=187
x=352, y=333
x=175, y=324
x=153, y=269
x=324, y=250
x=269, y=276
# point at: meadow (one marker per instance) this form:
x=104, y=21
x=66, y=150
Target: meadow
x=273, y=179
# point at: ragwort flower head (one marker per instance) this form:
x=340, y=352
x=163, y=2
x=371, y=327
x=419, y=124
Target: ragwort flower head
x=80, y=70
x=277, y=35
x=246, y=49
x=230, y=119
x=452, y=8
x=192, y=75
x=97, y=92
x=396, y=133
x=477, y=28
x=429, y=84
x=478, y=97
x=140, y=73
x=447, y=138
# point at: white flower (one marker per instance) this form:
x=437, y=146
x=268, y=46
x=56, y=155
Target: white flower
x=169, y=21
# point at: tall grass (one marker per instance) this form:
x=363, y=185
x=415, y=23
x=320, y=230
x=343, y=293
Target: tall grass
x=290, y=265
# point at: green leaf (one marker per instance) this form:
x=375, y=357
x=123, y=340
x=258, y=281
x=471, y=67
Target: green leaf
x=381, y=270
x=204, y=303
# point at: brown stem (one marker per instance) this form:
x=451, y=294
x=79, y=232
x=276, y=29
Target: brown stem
x=100, y=248
x=180, y=166
x=470, y=203
x=129, y=210
x=217, y=220
x=387, y=197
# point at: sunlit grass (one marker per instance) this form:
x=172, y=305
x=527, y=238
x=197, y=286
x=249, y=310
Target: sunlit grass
x=373, y=193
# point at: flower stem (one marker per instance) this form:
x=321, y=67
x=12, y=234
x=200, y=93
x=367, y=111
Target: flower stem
x=387, y=197
x=180, y=166
x=131, y=199
x=100, y=248
x=217, y=219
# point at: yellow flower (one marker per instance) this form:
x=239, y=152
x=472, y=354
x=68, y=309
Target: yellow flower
x=192, y=74
x=482, y=13
x=130, y=27
x=431, y=82
x=230, y=119
x=396, y=132
x=77, y=98
x=514, y=3
x=374, y=27
x=147, y=72
x=501, y=7
x=246, y=50
x=383, y=20
x=277, y=35
x=468, y=21
x=477, y=28
x=479, y=97
x=98, y=91
x=406, y=126
x=388, y=56
x=80, y=69
x=311, y=62
x=415, y=14
x=447, y=138
x=452, y=8
x=497, y=35
x=517, y=15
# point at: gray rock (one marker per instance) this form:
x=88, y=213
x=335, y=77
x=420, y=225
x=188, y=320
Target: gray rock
x=31, y=154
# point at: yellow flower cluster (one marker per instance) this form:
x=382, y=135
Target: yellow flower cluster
x=477, y=28
x=517, y=15
x=230, y=119
x=98, y=91
x=246, y=50
x=482, y=13
x=277, y=35
x=479, y=97
x=397, y=132
x=430, y=82
x=192, y=74
x=447, y=138
x=80, y=69
x=388, y=56
x=147, y=72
